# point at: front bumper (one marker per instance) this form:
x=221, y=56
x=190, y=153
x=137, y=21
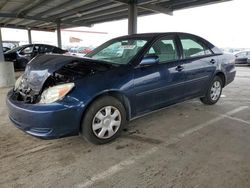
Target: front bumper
x=45, y=120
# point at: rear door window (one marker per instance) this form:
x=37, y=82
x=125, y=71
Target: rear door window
x=194, y=48
x=36, y=49
x=57, y=50
x=45, y=49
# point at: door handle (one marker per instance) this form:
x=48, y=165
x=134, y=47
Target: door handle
x=212, y=61
x=179, y=68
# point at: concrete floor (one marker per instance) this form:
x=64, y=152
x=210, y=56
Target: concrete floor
x=186, y=145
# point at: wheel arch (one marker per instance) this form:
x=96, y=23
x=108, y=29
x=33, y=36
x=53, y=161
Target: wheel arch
x=117, y=95
x=223, y=77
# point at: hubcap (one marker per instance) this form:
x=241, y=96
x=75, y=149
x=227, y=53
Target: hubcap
x=106, y=122
x=215, y=91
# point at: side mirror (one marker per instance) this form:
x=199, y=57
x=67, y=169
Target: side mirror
x=149, y=60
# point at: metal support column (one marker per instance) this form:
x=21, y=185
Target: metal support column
x=29, y=36
x=132, y=17
x=59, y=37
x=7, y=75
x=1, y=48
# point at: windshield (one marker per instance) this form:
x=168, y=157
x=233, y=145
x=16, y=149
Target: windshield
x=119, y=51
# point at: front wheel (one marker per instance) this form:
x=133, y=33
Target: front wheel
x=103, y=120
x=214, y=92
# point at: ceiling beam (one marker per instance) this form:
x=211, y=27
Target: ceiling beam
x=83, y=8
x=114, y=16
x=36, y=23
x=118, y=17
x=101, y=13
x=85, y=14
x=151, y=7
x=3, y=4
x=150, y=1
x=157, y=9
x=11, y=15
x=24, y=27
x=17, y=9
x=32, y=6
x=59, y=7
x=180, y=4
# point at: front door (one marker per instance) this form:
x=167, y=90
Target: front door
x=24, y=56
x=161, y=84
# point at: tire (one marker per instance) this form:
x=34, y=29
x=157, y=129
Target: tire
x=103, y=120
x=214, y=92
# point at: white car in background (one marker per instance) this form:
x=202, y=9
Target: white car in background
x=242, y=57
x=80, y=51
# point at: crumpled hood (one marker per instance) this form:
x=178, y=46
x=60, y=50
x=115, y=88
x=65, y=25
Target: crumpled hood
x=40, y=68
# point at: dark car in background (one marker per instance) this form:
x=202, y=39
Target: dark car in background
x=5, y=49
x=23, y=54
x=122, y=79
x=242, y=57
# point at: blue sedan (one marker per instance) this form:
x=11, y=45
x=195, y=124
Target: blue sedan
x=120, y=80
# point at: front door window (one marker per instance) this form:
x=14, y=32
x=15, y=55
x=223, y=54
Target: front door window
x=165, y=49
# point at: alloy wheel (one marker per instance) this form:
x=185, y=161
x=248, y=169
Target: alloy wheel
x=215, y=90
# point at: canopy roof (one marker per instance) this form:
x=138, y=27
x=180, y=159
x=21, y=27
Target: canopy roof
x=46, y=14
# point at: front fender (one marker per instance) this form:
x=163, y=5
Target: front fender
x=118, y=83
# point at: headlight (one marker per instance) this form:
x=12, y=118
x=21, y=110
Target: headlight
x=55, y=93
x=18, y=82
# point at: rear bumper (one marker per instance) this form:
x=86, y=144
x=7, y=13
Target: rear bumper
x=45, y=120
x=230, y=75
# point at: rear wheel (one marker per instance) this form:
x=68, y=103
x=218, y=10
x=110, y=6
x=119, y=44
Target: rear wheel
x=214, y=92
x=104, y=120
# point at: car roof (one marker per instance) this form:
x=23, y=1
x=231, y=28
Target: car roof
x=45, y=44
x=242, y=51
x=25, y=45
x=157, y=34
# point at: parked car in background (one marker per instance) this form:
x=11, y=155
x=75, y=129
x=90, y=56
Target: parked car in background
x=80, y=51
x=75, y=52
x=23, y=54
x=85, y=50
x=122, y=79
x=242, y=57
x=5, y=49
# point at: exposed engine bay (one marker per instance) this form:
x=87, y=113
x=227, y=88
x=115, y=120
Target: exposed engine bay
x=35, y=80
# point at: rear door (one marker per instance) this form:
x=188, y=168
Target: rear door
x=199, y=64
x=36, y=50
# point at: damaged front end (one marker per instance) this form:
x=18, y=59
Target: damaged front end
x=48, y=78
